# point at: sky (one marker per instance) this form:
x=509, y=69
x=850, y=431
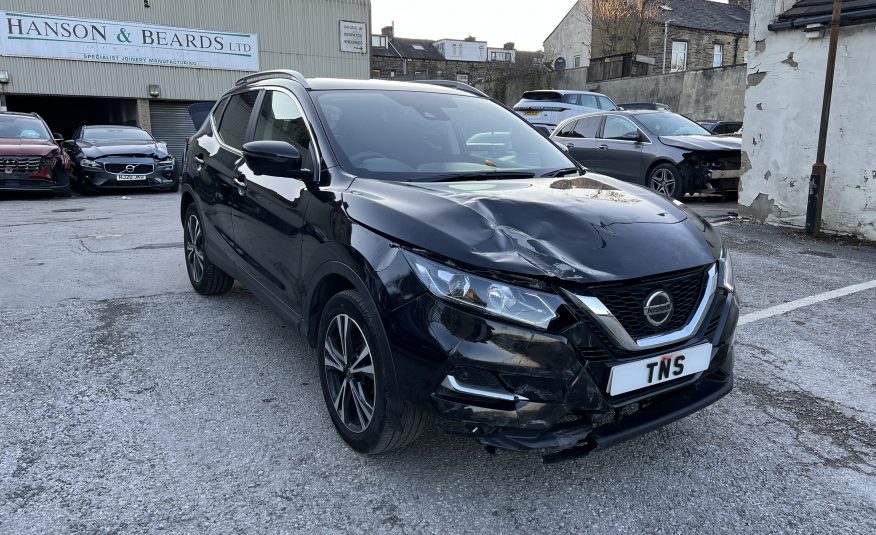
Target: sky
x=524, y=22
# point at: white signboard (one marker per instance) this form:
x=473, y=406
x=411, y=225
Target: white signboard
x=50, y=36
x=353, y=37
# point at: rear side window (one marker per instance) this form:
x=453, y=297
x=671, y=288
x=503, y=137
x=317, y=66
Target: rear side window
x=568, y=130
x=606, y=104
x=588, y=128
x=232, y=128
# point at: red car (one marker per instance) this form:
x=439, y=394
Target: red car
x=31, y=158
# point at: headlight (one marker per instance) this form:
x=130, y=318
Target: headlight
x=726, y=269
x=48, y=161
x=85, y=162
x=167, y=161
x=512, y=302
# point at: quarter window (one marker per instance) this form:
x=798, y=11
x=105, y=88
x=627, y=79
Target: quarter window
x=280, y=119
x=235, y=118
x=568, y=130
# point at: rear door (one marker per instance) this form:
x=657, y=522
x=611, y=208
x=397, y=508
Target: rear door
x=580, y=137
x=214, y=158
x=269, y=211
x=621, y=157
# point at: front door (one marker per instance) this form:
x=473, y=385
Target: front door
x=620, y=149
x=269, y=212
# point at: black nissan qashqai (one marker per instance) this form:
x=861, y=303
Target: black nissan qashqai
x=444, y=258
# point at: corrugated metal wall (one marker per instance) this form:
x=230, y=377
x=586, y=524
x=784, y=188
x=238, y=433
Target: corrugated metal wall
x=293, y=34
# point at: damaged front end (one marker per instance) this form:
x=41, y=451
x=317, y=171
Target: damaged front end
x=712, y=171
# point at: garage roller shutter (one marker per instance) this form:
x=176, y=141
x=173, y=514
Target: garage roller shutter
x=172, y=124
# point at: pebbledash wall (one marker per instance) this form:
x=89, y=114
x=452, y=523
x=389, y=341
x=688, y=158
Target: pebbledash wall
x=782, y=114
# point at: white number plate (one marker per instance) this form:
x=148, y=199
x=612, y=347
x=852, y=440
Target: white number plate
x=130, y=178
x=660, y=369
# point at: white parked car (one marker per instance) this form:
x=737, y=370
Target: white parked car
x=550, y=107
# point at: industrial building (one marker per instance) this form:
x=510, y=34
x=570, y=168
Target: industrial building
x=143, y=62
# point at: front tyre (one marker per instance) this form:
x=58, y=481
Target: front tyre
x=352, y=355
x=667, y=180
x=206, y=278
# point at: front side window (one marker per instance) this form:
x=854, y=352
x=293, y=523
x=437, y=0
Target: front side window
x=412, y=135
x=618, y=127
x=718, y=55
x=22, y=127
x=605, y=103
x=679, y=56
x=280, y=119
x=235, y=118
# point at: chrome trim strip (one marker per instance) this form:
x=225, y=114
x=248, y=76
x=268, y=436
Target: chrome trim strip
x=451, y=383
x=606, y=319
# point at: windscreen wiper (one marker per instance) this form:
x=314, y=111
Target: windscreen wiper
x=564, y=171
x=474, y=175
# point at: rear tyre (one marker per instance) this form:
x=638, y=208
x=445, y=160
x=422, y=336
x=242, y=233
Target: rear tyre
x=353, y=355
x=206, y=278
x=667, y=180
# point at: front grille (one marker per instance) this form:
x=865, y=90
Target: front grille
x=20, y=164
x=626, y=301
x=137, y=169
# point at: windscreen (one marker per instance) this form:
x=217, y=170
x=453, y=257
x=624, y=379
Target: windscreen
x=20, y=127
x=671, y=124
x=549, y=96
x=115, y=134
x=407, y=135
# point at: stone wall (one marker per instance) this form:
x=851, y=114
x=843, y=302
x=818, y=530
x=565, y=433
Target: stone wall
x=708, y=94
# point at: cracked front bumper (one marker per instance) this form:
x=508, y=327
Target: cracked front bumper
x=524, y=389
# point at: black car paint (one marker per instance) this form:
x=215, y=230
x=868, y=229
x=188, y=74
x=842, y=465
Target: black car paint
x=302, y=240
x=147, y=152
x=632, y=160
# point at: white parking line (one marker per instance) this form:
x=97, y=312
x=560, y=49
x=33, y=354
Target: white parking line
x=804, y=302
x=719, y=223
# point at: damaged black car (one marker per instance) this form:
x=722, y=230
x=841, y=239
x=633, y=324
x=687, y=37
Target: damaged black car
x=664, y=151
x=108, y=157
x=446, y=260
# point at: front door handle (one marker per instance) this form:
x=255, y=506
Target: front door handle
x=199, y=163
x=603, y=147
x=240, y=183
x=571, y=146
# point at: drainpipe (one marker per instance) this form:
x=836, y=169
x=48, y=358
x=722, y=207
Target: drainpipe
x=404, y=61
x=736, y=50
x=665, y=41
x=819, y=169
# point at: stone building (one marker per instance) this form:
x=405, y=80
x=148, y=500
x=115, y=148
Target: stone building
x=465, y=60
x=676, y=35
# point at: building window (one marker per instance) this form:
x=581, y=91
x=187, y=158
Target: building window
x=718, y=55
x=577, y=61
x=679, y=56
x=462, y=78
x=500, y=56
x=418, y=47
x=392, y=73
x=378, y=41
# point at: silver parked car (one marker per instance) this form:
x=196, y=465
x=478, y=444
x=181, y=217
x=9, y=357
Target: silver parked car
x=550, y=107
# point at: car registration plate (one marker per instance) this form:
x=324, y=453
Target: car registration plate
x=660, y=369
x=531, y=113
x=130, y=178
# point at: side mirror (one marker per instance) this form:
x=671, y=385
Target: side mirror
x=58, y=137
x=274, y=158
x=562, y=147
x=631, y=136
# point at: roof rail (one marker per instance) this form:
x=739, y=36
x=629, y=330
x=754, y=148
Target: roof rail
x=276, y=73
x=455, y=85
